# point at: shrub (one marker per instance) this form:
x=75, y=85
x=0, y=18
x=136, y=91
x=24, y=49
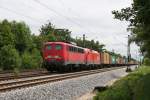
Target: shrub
x=147, y=61
x=31, y=60
x=36, y=58
x=27, y=62
x=141, y=91
x=9, y=58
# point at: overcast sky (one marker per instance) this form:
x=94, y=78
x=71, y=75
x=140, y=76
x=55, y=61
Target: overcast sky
x=90, y=17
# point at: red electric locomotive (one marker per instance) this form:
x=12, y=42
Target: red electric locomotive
x=58, y=55
x=92, y=57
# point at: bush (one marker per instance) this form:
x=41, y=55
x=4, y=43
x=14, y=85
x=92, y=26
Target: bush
x=27, y=62
x=36, y=58
x=9, y=58
x=31, y=60
x=141, y=91
x=146, y=61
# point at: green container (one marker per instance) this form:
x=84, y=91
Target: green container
x=113, y=59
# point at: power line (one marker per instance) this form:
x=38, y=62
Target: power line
x=68, y=8
x=20, y=14
x=59, y=14
x=44, y=5
x=115, y=37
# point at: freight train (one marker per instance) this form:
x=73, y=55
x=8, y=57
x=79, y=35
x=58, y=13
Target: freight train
x=61, y=56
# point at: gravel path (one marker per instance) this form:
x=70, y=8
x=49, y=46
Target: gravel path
x=69, y=89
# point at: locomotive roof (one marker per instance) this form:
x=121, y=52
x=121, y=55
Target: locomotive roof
x=64, y=43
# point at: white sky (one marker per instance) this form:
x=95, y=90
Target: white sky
x=90, y=17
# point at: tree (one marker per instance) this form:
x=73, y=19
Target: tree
x=18, y=47
x=139, y=17
x=50, y=33
x=9, y=58
x=89, y=44
x=47, y=29
x=6, y=36
x=22, y=33
x=146, y=61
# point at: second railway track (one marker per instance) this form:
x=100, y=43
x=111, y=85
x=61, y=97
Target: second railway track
x=26, y=74
x=6, y=86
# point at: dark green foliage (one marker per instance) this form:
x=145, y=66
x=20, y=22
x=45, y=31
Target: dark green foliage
x=27, y=61
x=23, y=39
x=139, y=17
x=18, y=49
x=50, y=33
x=31, y=60
x=47, y=29
x=6, y=36
x=133, y=87
x=95, y=45
x=38, y=41
x=9, y=58
x=36, y=58
x=146, y=61
x=143, y=87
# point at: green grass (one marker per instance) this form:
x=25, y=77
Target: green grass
x=135, y=86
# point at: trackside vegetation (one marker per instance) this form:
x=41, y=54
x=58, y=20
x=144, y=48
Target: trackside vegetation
x=134, y=86
x=18, y=49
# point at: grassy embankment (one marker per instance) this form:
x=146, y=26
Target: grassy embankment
x=135, y=86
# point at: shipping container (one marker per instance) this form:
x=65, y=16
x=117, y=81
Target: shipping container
x=113, y=59
x=106, y=58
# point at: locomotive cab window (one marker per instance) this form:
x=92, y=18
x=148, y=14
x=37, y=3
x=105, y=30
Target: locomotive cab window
x=58, y=47
x=48, y=47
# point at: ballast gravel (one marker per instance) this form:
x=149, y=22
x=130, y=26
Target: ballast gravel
x=69, y=89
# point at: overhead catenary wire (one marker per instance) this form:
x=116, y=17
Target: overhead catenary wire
x=115, y=37
x=20, y=14
x=37, y=20
x=59, y=14
x=68, y=8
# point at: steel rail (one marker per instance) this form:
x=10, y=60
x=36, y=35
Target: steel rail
x=22, y=75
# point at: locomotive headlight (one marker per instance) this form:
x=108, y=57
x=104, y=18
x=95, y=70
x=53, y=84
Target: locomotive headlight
x=57, y=57
x=49, y=56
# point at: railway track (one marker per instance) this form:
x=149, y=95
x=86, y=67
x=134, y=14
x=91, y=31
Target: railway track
x=25, y=74
x=6, y=86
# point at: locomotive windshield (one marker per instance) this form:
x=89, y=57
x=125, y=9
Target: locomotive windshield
x=48, y=47
x=58, y=47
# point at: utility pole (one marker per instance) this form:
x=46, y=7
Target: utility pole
x=128, y=49
x=128, y=54
x=84, y=40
